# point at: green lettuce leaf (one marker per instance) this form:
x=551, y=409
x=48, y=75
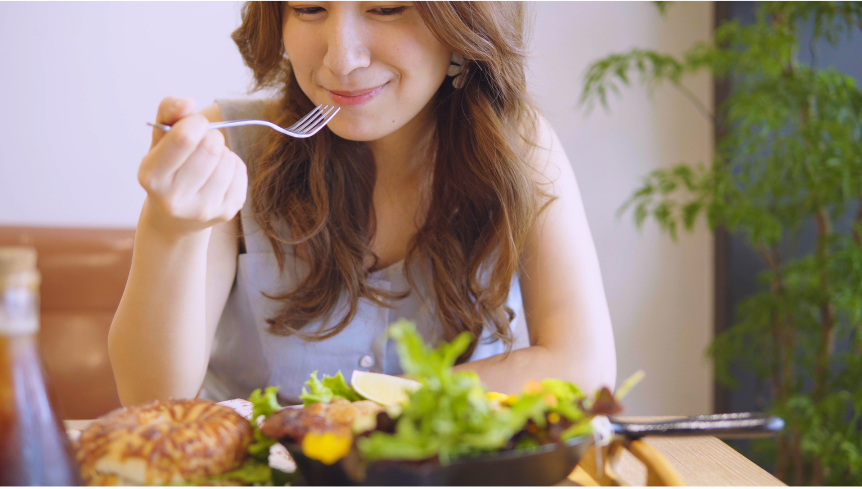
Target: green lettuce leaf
x=582, y=427
x=450, y=416
x=326, y=390
x=262, y=404
x=629, y=383
x=253, y=472
x=564, y=391
x=568, y=395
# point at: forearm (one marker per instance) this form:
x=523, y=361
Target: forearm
x=157, y=340
x=509, y=373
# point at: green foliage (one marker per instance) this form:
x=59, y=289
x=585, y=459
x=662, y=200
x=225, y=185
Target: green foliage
x=325, y=390
x=262, y=404
x=790, y=155
x=451, y=415
x=252, y=472
x=662, y=6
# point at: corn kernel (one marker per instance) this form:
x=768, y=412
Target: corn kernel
x=496, y=396
x=533, y=388
x=326, y=447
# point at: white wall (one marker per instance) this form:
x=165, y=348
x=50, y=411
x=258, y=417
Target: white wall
x=659, y=292
x=81, y=79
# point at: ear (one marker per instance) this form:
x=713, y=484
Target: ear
x=456, y=65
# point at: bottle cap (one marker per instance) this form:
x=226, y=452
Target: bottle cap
x=14, y=259
x=19, y=295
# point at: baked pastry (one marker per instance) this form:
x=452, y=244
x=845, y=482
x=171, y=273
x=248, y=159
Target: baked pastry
x=163, y=442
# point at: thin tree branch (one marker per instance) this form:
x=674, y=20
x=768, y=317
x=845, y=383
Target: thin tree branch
x=693, y=99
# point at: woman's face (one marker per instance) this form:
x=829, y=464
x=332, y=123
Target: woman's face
x=376, y=60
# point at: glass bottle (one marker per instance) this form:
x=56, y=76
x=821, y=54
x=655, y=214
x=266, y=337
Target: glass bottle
x=34, y=448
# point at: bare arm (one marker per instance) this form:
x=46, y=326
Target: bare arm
x=184, y=261
x=564, y=299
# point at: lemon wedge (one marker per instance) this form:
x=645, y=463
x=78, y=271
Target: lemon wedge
x=383, y=389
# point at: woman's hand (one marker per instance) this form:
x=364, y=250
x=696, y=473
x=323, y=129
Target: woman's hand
x=193, y=181
x=185, y=257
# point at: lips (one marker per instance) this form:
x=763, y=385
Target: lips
x=352, y=98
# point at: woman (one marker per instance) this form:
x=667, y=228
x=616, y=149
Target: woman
x=436, y=194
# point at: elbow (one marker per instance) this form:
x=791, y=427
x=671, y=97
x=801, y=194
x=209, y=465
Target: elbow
x=589, y=369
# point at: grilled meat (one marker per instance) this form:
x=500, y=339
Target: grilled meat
x=336, y=416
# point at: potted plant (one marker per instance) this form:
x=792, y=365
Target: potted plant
x=788, y=155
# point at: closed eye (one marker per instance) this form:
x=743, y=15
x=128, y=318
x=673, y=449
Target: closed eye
x=307, y=11
x=388, y=11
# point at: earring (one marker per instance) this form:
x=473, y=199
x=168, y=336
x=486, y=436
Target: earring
x=456, y=69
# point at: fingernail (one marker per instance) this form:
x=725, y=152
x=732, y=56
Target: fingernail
x=179, y=103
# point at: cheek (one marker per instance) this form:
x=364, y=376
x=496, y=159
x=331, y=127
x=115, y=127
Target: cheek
x=422, y=56
x=420, y=72
x=305, y=54
x=417, y=87
x=422, y=66
x=427, y=68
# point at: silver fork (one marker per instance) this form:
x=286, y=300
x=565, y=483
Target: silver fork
x=306, y=127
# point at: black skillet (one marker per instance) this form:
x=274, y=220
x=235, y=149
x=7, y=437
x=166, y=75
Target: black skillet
x=543, y=466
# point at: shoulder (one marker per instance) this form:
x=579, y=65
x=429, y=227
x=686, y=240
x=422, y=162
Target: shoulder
x=545, y=154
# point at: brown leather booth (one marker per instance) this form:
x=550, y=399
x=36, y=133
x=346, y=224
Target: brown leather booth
x=84, y=273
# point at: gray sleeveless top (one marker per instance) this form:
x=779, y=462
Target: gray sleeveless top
x=245, y=356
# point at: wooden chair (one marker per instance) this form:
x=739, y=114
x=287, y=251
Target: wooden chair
x=84, y=272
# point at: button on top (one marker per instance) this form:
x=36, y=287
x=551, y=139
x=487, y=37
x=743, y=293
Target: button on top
x=366, y=361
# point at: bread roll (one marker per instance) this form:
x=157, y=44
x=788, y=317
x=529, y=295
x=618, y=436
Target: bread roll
x=163, y=442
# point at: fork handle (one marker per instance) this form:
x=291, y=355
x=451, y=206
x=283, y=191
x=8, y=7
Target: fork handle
x=725, y=426
x=163, y=127
x=215, y=125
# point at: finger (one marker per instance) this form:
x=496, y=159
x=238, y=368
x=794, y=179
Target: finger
x=196, y=170
x=171, y=110
x=175, y=148
x=235, y=197
x=213, y=192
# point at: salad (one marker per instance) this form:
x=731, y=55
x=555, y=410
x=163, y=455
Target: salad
x=449, y=416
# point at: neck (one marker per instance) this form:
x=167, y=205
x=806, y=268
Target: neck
x=403, y=157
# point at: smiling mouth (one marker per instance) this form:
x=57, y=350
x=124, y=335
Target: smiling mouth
x=353, y=98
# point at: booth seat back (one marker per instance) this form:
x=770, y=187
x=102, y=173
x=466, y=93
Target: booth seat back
x=84, y=272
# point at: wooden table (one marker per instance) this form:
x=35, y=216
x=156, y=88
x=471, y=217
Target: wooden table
x=701, y=461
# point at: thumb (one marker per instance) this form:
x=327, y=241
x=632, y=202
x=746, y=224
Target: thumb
x=171, y=110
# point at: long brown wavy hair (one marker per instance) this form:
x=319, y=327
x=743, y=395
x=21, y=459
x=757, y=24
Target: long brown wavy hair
x=484, y=196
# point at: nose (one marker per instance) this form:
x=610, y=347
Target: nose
x=346, y=43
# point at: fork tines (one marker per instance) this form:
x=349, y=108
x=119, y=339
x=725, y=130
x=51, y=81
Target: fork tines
x=314, y=120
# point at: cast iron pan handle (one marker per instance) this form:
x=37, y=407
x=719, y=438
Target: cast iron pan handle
x=727, y=426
